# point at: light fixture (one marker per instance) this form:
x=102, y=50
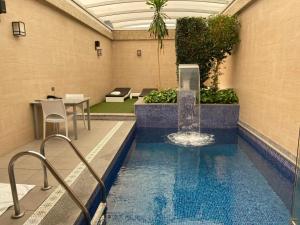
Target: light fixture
x=19, y=29
x=99, y=52
x=2, y=6
x=139, y=53
x=98, y=48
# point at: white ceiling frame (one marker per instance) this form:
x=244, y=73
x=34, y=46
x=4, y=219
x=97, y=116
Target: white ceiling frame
x=150, y=17
x=115, y=13
x=115, y=2
x=132, y=13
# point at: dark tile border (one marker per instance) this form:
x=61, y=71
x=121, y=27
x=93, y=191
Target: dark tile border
x=282, y=164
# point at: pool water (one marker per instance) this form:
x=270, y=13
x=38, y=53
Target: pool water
x=161, y=183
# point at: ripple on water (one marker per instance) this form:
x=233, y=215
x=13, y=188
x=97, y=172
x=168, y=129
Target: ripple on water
x=191, y=139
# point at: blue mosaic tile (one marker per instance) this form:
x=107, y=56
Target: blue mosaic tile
x=161, y=184
x=283, y=165
x=166, y=115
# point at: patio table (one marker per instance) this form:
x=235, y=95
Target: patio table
x=68, y=103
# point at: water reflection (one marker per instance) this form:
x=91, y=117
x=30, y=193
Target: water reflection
x=216, y=184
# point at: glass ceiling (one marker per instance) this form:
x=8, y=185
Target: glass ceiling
x=135, y=14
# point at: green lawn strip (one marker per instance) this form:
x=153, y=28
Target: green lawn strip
x=114, y=107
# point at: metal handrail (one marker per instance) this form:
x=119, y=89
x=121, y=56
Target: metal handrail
x=46, y=164
x=81, y=157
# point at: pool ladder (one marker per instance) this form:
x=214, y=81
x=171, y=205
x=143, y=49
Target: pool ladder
x=101, y=211
x=293, y=222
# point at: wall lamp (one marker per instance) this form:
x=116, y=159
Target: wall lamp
x=19, y=29
x=2, y=6
x=98, y=48
x=139, y=53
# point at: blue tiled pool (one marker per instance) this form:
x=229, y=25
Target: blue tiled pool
x=225, y=183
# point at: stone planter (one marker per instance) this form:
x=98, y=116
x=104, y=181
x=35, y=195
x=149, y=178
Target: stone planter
x=166, y=115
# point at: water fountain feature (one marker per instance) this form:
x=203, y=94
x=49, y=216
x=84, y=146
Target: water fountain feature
x=189, y=110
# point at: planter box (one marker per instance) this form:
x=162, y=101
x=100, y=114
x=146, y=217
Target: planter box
x=166, y=115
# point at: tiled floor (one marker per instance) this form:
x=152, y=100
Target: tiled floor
x=28, y=169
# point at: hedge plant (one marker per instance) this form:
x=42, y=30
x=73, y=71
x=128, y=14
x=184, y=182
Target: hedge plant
x=163, y=96
x=223, y=32
x=206, y=42
x=192, y=46
x=225, y=96
x=207, y=96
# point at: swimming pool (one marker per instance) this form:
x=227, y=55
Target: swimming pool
x=226, y=183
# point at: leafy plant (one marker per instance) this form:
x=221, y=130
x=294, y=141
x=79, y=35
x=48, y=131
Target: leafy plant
x=225, y=96
x=223, y=33
x=163, y=96
x=158, y=27
x=206, y=42
x=207, y=96
x=192, y=46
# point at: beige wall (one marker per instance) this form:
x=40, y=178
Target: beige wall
x=265, y=69
x=57, y=51
x=142, y=72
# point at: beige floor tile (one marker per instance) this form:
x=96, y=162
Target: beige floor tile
x=6, y=219
x=22, y=176
x=28, y=170
x=36, y=197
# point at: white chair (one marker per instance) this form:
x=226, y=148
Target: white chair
x=78, y=97
x=54, y=111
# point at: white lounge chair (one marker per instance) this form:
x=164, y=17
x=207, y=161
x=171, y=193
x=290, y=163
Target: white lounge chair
x=118, y=95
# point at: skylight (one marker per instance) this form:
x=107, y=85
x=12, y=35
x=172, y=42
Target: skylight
x=135, y=14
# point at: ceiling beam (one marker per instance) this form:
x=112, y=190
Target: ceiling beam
x=115, y=21
x=180, y=10
x=115, y=2
x=146, y=24
x=138, y=19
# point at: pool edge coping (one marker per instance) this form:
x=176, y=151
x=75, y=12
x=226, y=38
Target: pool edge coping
x=40, y=213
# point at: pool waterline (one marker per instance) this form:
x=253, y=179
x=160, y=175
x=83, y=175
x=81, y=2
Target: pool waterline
x=161, y=183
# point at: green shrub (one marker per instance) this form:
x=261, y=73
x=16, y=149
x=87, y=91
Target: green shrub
x=163, y=96
x=192, y=46
x=225, y=96
x=207, y=96
x=224, y=35
x=206, y=42
x=223, y=32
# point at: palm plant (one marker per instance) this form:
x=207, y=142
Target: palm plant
x=158, y=27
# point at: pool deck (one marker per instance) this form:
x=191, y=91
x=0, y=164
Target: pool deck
x=100, y=146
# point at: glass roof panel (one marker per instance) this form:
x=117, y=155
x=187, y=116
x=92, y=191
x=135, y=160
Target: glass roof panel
x=132, y=14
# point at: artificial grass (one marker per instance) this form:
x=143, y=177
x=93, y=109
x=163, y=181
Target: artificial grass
x=114, y=107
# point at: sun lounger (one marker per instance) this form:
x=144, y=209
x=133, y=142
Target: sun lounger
x=118, y=95
x=146, y=91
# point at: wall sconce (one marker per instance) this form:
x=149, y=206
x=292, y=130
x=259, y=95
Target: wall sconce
x=98, y=48
x=19, y=29
x=139, y=53
x=2, y=6
x=99, y=52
